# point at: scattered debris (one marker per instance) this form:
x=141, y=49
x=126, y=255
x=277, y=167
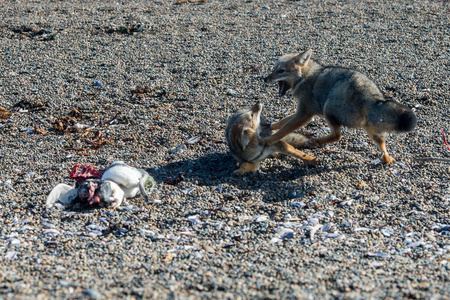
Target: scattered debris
x=4, y=113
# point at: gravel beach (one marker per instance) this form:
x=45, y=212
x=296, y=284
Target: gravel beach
x=152, y=83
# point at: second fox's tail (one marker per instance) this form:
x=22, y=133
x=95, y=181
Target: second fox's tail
x=391, y=116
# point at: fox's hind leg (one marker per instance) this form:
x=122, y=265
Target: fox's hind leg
x=285, y=148
x=380, y=140
x=247, y=167
x=334, y=136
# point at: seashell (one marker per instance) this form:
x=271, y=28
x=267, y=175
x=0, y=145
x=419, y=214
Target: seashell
x=188, y=233
x=70, y=214
x=95, y=227
x=110, y=214
x=48, y=225
x=275, y=240
x=298, y=204
x=11, y=188
x=173, y=250
x=345, y=203
x=146, y=232
x=313, y=221
x=416, y=244
x=51, y=231
x=329, y=214
x=104, y=220
x=287, y=216
x=229, y=245
x=156, y=201
x=284, y=233
x=402, y=165
x=376, y=264
x=244, y=218
x=198, y=255
x=206, y=212
x=378, y=254
x=313, y=231
x=71, y=233
x=177, y=149
x=375, y=162
x=404, y=251
x=193, y=140
x=396, y=173
x=331, y=235
x=14, y=242
x=11, y=255
x=95, y=233
x=444, y=228
x=187, y=191
x=25, y=228
x=333, y=198
x=362, y=229
x=195, y=220
x=129, y=207
x=318, y=216
x=292, y=225
x=260, y=218
x=387, y=231
x=123, y=230
x=327, y=227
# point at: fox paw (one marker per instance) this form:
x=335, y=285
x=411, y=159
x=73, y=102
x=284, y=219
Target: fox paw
x=387, y=159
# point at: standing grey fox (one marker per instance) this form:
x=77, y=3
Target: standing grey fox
x=342, y=96
x=244, y=132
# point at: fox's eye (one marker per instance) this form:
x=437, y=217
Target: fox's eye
x=281, y=71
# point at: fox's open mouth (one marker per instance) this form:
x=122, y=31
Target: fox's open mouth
x=284, y=87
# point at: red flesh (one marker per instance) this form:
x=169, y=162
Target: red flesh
x=86, y=172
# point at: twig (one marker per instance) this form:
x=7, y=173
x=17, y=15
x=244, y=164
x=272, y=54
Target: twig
x=432, y=159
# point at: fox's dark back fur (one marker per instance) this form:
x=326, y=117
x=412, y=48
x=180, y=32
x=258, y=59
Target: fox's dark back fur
x=359, y=95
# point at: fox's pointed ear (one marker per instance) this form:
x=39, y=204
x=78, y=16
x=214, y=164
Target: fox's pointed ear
x=303, y=58
x=245, y=137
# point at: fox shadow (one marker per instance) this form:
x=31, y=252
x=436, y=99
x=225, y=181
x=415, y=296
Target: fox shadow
x=217, y=168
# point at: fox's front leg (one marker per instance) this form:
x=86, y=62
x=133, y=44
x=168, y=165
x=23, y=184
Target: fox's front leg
x=279, y=124
x=334, y=136
x=295, y=122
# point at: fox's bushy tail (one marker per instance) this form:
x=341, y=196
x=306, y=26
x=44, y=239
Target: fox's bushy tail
x=391, y=116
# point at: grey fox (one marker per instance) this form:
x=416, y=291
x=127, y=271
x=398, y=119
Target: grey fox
x=244, y=132
x=342, y=96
